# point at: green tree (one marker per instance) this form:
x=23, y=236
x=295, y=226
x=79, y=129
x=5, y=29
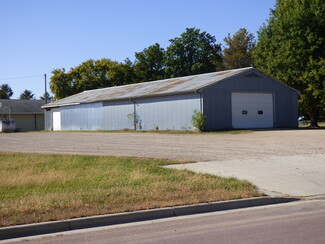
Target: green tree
x=91, y=74
x=27, y=95
x=150, y=64
x=237, y=53
x=194, y=52
x=46, y=96
x=5, y=91
x=61, y=84
x=291, y=48
x=121, y=73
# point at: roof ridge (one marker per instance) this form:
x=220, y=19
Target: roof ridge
x=170, y=86
x=163, y=80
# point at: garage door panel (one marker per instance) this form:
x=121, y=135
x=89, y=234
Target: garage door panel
x=252, y=110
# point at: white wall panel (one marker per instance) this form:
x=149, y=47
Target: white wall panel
x=56, y=119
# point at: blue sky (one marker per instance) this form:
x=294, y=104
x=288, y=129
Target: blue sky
x=38, y=36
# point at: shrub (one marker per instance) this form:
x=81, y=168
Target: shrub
x=198, y=120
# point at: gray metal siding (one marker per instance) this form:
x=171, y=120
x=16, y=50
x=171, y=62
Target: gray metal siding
x=117, y=115
x=81, y=117
x=286, y=107
x=48, y=119
x=163, y=113
x=217, y=101
x=167, y=113
x=217, y=108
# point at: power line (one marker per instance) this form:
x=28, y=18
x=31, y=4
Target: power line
x=21, y=77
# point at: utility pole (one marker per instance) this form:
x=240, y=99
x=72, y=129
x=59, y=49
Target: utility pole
x=45, y=94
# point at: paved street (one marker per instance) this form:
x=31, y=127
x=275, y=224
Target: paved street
x=296, y=222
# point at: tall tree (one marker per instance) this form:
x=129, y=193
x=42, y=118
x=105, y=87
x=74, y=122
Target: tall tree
x=5, y=91
x=121, y=73
x=27, y=95
x=61, y=84
x=194, y=52
x=237, y=53
x=291, y=48
x=91, y=74
x=150, y=64
x=46, y=96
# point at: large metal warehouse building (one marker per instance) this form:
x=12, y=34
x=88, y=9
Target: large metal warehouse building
x=239, y=98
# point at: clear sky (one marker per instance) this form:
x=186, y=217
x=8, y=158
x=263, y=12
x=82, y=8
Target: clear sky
x=37, y=36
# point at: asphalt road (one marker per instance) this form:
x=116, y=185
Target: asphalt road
x=296, y=222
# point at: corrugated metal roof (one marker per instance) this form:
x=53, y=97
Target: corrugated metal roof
x=21, y=106
x=172, y=86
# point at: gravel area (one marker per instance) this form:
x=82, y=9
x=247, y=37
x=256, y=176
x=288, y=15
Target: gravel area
x=194, y=147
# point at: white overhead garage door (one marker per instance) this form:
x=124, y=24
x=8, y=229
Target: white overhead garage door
x=56, y=119
x=252, y=110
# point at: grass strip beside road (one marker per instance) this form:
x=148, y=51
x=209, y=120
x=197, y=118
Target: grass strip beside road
x=41, y=187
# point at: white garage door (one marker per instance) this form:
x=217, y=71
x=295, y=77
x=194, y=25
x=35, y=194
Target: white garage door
x=56, y=119
x=252, y=110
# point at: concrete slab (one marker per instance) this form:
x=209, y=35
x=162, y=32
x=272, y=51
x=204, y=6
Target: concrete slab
x=295, y=175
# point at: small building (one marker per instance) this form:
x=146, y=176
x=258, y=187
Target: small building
x=27, y=114
x=232, y=99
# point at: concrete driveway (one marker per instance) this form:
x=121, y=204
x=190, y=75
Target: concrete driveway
x=279, y=162
x=274, y=175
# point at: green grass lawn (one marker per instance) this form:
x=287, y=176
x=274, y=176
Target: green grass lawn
x=40, y=187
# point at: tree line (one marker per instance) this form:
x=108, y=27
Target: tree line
x=194, y=52
x=6, y=93
x=290, y=48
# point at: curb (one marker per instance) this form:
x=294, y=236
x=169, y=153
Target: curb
x=120, y=218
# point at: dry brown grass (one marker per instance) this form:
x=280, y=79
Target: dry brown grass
x=37, y=187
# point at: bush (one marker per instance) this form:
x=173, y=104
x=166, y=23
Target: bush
x=198, y=120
